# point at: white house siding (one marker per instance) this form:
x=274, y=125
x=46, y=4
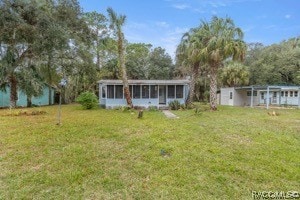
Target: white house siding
x=218, y=98
x=279, y=100
x=290, y=100
x=272, y=99
x=291, y=95
x=225, y=96
x=256, y=100
x=240, y=98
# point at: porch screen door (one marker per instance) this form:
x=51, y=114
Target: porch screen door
x=162, y=94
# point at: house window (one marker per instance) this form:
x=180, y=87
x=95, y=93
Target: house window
x=274, y=94
x=262, y=95
x=153, y=91
x=291, y=93
x=179, y=91
x=249, y=93
x=104, y=91
x=286, y=93
x=110, y=91
x=145, y=91
x=296, y=94
x=282, y=93
x=171, y=91
x=136, y=91
x=230, y=95
x=119, y=92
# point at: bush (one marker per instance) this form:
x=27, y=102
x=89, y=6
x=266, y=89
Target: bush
x=122, y=108
x=190, y=106
x=152, y=108
x=174, y=105
x=183, y=106
x=198, y=110
x=88, y=100
x=206, y=96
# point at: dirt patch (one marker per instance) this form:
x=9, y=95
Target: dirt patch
x=19, y=112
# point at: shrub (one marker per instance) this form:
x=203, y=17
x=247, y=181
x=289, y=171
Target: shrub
x=122, y=108
x=125, y=108
x=174, y=105
x=152, y=108
x=183, y=106
x=198, y=110
x=206, y=96
x=190, y=106
x=88, y=100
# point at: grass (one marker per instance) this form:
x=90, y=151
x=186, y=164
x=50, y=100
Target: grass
x=110, y=154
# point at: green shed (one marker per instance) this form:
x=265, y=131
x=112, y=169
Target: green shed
x=47, y=98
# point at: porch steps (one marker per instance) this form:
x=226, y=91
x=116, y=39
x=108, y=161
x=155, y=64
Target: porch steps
x=163, y=108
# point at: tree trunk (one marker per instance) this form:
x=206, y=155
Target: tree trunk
x=29, y=102
x=213, y=87
x=49, y=77
x=123, y=70
x=98, y=53
x=13, y=91
x=50, y=96
x=194, y=77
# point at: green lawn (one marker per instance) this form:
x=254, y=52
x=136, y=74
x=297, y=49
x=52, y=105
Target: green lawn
x=110, y=154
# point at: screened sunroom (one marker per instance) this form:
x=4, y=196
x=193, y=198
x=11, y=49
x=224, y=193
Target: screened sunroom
x=144, y=93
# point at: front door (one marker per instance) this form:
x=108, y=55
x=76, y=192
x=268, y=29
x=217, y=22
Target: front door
x=162, y=94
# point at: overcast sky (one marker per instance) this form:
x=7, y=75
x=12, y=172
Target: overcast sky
x=162, y=22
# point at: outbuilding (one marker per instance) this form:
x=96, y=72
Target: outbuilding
x=261, y=95
x=47, y=97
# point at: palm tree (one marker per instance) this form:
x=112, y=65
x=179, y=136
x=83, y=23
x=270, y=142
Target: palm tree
x=220, y=39
x=235, y=74
x=116, y=23
x=186, y=55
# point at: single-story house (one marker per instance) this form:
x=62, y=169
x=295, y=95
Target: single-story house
x=261, y=95
x=144, y=93
x=42, y=100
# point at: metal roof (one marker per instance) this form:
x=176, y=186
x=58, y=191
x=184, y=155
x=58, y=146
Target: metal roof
x=146, y=82
x=265, y=87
